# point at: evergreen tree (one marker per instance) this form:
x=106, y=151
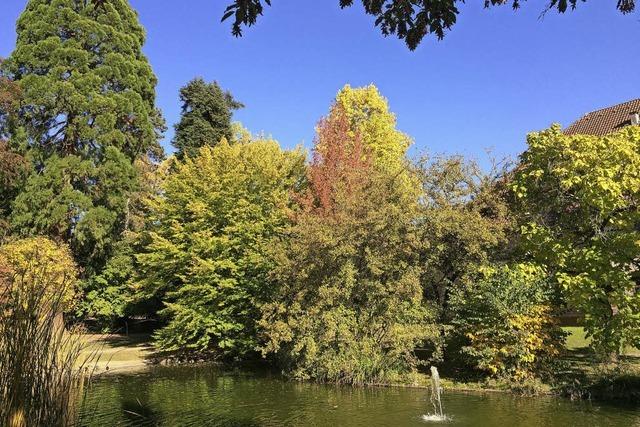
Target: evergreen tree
x=85, y=82
x=88, y=110
x=206, y=117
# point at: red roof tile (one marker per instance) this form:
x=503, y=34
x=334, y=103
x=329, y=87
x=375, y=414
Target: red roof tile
x=606, y=120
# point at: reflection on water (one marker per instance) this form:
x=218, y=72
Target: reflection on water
x=204, y=396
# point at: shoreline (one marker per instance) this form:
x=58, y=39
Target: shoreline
x=123, y=355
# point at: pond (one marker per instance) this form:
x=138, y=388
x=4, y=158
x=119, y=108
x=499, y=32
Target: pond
x=205, y=396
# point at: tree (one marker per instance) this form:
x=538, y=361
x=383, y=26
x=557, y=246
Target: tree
x=410, y=20
x=206, y=117
x=75, y=201
x=464, y=222
x=10, y=98
x=109, y=294
x=14, y=166
x=347, y=305
x=505, y=319
x=579, y=197
x=87, y=106
x=85, y=82
x=369, y=117
x=203, y=261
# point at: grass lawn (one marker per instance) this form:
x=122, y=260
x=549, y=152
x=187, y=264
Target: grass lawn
x=118, y=353
x=577, y=340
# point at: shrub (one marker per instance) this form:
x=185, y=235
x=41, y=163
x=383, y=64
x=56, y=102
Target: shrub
x=504, y=319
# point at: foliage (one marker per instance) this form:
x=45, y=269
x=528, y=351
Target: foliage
x=464, y=222
x=85, y=83
x=108, y=294
x=369, y=117
x=579, y=198
x=38, y=266
x=41, y=372
x=80, y=202
x=14, y=169
x=10, y=97
x=88, y=110
x=410, y=20
x=348, y=304
x=206, y=117
x=204, y=259
x=14, y=166
x=505, y=317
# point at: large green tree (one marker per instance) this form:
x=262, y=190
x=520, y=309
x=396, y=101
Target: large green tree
x=206, y=117
x=204, y=259
x=410, y=20
x=79, y=202
x=464, y=222
x=580, y=204
x=86, y=84
x=88, y=110
x=348, y=304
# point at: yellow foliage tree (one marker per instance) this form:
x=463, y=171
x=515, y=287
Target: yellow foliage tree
x=375, y=125
x=35, y=270
x=41, y=369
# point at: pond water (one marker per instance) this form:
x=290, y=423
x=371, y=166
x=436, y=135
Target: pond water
x=205, y=396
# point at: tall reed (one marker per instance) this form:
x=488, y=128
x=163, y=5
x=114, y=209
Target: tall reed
x=42, y=368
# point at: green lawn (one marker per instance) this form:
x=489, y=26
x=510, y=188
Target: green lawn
x=577, y=337
x=577, y=340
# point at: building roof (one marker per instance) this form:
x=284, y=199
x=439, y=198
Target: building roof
x=604, y=121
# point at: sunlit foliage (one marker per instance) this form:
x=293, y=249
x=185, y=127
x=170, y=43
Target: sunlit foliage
x=348, y=304
x=205, y=257
x=579, y=199
x=505, y=319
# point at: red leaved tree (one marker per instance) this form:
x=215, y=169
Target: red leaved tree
x=340, y=168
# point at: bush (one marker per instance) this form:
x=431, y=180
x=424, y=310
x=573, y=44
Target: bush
x=504, y=319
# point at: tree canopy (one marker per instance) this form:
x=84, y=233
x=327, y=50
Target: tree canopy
x=206, y=117
x=579, y=197
x=86, y=85
x=409, y=20
x=86, y=113
x=348, y=304
x=204, y=261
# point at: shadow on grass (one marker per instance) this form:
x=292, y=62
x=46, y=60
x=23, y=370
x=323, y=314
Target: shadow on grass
x=584, y=375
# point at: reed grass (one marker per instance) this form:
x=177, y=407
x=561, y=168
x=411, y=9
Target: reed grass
x=42, y=371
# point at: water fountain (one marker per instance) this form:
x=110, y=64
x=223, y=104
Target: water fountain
x=436, y=392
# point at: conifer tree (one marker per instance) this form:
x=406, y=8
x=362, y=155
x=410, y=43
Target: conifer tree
x=86, y=84
x=88, y=111
x=206, y=117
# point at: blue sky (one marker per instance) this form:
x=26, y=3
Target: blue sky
x=496, y=76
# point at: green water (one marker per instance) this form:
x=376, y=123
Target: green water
x=204, y=396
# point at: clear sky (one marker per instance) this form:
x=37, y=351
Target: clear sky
x=496, y=76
